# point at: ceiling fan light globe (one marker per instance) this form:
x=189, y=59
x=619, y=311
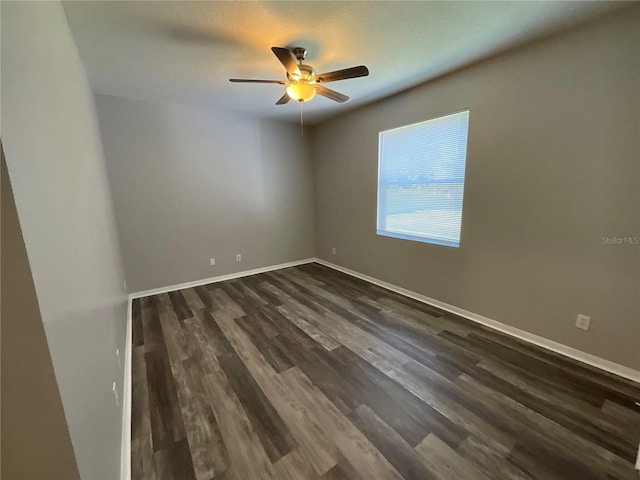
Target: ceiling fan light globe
x=301, y=91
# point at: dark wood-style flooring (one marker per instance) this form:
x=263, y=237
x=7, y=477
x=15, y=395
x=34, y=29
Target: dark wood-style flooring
x=308, y=373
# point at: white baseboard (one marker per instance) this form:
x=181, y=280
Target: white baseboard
x=545, y=343
x=125, y=454
x=220, y=278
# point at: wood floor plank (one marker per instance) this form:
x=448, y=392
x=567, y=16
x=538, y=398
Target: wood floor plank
x=449, y=407
x=504, y=420
x=337, y=283
x=399, y=453
x=411, y=418
x=570, y=412
x=206, y=446
x=167, y=426
x=339, y=472
x=153, y=337
x=287, y=328
x=263, y=325
x=246, y=453
x=314, y=446
x=267, y=424
x=445, y=463
x=294, y=293
x=137, y=337
x=326, y=341
x=248, y=292
x=355, y=338
x=180, y=306
x=318, y=290
x=579, y=383
x=401, y=319
x=422, y=348
x=491, y=462
x=271, y=351
x=294, y=466
x=355, y=447
x=177, y=347
x=142, y=466
x=269, y=427
x=388, y=334
x=257, y=284
x=218, y=342
x=555, y=440
x=309, y=373
x=434, y=321
x=202, y=348
x=560, y=363
x=625, y=415
x=174, y=462
x=330, y=381
x=299, y=276
x=382, y=292
x=419, y=347
x=205, y=296
x=223, y=304
x=194, y=302
x=529, y=462
x=235, y=291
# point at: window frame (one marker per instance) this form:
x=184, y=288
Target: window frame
x=380, y=205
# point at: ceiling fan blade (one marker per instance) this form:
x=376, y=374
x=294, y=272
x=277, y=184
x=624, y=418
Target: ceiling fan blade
x=332, y=94
x=284, y=99
x=285, y=57
x=246, y=80
x=353, y=72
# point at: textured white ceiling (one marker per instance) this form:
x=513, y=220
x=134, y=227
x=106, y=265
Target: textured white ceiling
x=186, y=51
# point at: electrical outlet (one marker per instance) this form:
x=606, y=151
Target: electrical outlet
x=582, y=321
x=238, y=258
x=115, y=394
x=212, y=261
x=333, y=250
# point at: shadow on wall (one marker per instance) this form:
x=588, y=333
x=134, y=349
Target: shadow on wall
x=192, y=183
x=29, y=393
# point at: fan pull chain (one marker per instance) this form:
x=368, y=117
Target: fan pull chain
x=301, y=121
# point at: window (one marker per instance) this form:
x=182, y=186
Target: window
x=421, y=180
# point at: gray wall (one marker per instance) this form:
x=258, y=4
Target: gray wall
x=553, y=166
x=190, y=184
x=60, y=184
x=30, y=397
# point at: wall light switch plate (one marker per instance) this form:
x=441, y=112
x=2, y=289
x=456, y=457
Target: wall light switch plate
x=238, y=258
x=583, y=322
x=333, y=250
x=212, y=261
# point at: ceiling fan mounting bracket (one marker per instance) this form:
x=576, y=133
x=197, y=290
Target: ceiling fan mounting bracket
x=300, y=53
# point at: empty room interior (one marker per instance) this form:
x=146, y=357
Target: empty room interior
x=320, y=240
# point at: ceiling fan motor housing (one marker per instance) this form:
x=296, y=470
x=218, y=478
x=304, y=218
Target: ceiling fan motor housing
x=306, y=73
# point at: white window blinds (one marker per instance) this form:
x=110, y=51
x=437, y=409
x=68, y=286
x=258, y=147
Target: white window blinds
x=421, y=180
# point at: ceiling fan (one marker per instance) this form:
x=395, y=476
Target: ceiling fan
x=302, y=81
